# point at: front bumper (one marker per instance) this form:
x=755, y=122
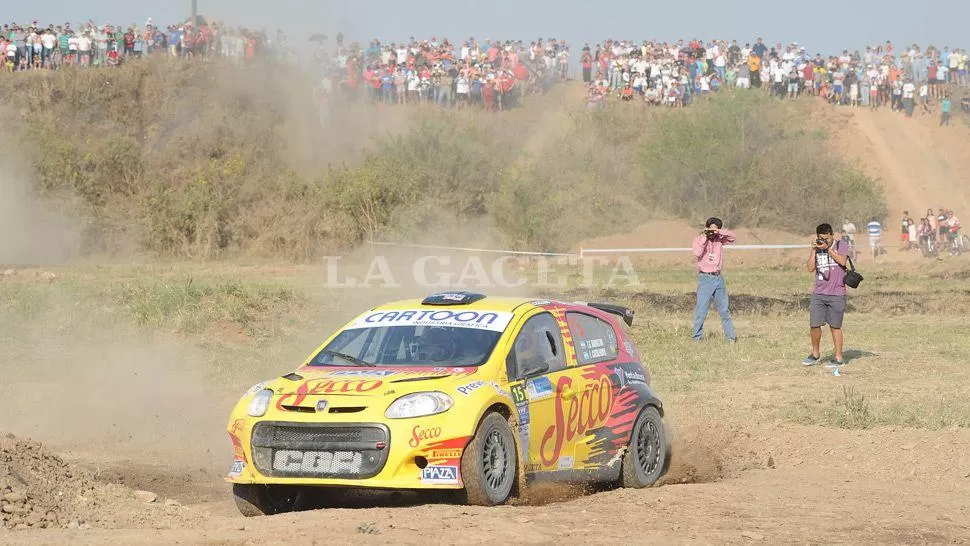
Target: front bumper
x=419, y=453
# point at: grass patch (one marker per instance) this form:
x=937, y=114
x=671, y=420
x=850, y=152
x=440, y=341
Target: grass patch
x=851, y=409
x=906, y=366
x=188, y=306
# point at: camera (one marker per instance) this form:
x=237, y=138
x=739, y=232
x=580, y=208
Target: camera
x=820, y=241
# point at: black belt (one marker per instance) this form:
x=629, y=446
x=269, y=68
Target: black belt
x=716, y=273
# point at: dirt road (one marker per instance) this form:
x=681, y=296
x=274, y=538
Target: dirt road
x=780, y=484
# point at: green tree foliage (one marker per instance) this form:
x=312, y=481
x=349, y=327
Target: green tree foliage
x=751, y=159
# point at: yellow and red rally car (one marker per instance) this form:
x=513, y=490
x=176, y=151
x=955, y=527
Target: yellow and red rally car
x=456, y=391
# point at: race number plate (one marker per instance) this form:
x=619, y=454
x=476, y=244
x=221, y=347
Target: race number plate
x=318, y=462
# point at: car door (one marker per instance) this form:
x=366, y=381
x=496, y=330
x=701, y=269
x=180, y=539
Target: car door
x=599, y=385
x=536, y=363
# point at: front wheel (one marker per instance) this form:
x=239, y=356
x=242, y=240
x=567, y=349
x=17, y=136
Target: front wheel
x=648, y=455
x=489, y=465
x=265, y=500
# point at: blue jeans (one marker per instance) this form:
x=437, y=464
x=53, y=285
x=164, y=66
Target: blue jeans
x=712, y=286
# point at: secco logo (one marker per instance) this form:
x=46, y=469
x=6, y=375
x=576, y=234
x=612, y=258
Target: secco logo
x=327, y=386
x=419, y=435
x=587, y=410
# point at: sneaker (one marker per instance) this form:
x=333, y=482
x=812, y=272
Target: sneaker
x=810, y=360
x=835, y=363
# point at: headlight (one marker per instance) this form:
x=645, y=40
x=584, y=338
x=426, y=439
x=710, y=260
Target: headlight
x=419, y=404
x=259, y=403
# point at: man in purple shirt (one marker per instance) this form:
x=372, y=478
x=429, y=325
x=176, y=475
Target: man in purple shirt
x=708, y=246
x=827, y=261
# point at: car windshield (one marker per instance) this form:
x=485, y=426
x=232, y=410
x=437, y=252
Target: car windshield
x=409, y=346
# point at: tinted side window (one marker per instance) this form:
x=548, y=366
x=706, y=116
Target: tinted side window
x=538, y=343
x=594, y=338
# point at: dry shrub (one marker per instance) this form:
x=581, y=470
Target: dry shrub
x=750, y=158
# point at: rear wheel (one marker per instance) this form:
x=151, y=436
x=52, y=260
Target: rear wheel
x=489, y=465
x=648, y=454
x=265, y=500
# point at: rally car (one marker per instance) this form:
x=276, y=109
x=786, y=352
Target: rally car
x=456, y=391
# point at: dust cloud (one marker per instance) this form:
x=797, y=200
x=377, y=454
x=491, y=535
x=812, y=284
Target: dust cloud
x=109, y=396
x=34, y=232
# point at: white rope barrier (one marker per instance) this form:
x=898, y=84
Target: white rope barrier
x=466, y=249
x=584, y=251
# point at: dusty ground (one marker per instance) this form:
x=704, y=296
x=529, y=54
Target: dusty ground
x=765, y=450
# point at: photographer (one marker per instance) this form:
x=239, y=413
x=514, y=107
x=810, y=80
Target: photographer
x=707, y=247
x=827, y=260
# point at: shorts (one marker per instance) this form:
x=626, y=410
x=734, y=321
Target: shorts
x=873, y=241
x=943, y=230
x=826, y=310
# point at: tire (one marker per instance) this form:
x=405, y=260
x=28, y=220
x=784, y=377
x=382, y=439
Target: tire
x=265, y=500
x=647, y=457
x=490, y=463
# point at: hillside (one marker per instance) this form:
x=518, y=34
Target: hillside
x=209, y=161
x=920, y=164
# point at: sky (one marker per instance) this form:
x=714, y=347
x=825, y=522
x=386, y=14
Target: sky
x=847, y=25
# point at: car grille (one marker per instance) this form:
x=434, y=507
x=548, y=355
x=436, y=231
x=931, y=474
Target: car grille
x=320, y=450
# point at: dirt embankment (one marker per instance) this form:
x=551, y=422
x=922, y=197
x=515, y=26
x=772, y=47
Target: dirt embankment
x=39, y=490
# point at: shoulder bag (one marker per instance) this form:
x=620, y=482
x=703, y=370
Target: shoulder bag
x=852, y=277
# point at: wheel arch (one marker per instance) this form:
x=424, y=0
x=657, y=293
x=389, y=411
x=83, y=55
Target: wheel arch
x=507, y=414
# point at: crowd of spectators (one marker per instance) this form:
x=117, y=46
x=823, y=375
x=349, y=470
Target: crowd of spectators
x=35, y=46
x=495, y=74
x=676, y=74
x=492, y=74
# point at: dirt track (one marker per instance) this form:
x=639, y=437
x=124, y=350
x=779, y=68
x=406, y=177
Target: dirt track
x=732, y=481
x=779, y=484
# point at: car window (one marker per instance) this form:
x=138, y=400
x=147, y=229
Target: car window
x=410, y=346
x=538, y=343
x=594, y=338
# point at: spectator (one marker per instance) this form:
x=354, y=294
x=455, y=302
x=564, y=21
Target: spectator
x=827, y=260
x=874, y=230
x=708, y=248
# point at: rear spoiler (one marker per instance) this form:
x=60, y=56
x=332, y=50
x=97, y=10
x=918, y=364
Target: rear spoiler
x=623, y=312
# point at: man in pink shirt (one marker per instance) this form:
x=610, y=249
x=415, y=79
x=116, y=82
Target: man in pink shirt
x=708, y=247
